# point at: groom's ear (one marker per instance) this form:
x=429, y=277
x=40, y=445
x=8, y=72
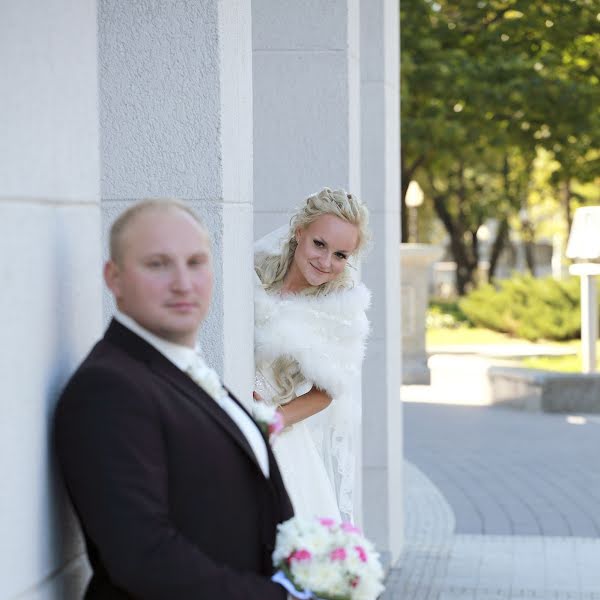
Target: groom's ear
x=111, y=277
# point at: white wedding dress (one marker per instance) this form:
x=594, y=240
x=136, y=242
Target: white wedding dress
x=302, y=468
x=325, y=335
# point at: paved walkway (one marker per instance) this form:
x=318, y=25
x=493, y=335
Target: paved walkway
x=500, y=504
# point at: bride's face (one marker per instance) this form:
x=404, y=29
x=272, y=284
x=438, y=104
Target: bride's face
x=323, y=249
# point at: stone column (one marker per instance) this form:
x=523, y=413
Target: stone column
x=306, y=103
x=416, y=262
x=306, y=74
x=50, y=304
x=382, y=409
x=176, y=120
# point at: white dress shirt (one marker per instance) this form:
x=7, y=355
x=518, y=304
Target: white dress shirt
x=186, y=358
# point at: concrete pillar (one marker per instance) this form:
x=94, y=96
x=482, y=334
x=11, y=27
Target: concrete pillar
x=176, y=120
x=306, y=77
x=50, y=305
x=306, y=103
x=416, y=263
x=382, y=409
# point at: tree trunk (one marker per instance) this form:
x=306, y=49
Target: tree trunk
x=502, y=232
x=528, y=239
x=404, y=210
x=465, y=258
x=497, y=248
x=530, y=258
x=566, y=201
x=465, y=278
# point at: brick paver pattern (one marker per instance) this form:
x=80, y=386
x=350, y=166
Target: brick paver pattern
x=499, y=504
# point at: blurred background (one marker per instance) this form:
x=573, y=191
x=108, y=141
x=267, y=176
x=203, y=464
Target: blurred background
x=500, y=133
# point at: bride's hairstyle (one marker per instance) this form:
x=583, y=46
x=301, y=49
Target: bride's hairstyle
x=272, y=269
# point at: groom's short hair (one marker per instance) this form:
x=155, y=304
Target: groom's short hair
x=127, y=217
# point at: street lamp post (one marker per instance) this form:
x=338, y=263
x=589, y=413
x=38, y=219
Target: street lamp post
x=584, y=246
x=414, y=199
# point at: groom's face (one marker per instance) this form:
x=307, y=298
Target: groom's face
x=163, y=278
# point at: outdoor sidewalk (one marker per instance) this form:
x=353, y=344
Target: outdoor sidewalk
x=500, y=504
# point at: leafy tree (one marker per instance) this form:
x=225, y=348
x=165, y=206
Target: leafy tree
x=485, y=86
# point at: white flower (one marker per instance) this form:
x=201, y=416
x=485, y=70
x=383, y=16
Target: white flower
x=368, y=588
x=208, y=380
x=327, y=578
x=269, y=419
x=317, y=541
x=262, y=411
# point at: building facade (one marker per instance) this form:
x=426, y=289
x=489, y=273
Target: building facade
x=239, y=108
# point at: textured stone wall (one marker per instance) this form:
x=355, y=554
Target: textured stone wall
x=306, y=103
x=176, y=120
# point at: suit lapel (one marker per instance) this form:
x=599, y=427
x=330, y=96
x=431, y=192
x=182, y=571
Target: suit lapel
x=164, y=368
x=275, y=479
x=202, y=400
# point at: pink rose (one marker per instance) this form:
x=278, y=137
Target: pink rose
x=362, y=554
x=349, y=528
x=276, y=425
x=300, y=555
x=327, y=522
x=338, y=554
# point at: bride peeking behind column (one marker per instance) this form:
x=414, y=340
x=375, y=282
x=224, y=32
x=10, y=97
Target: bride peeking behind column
x=310, y=331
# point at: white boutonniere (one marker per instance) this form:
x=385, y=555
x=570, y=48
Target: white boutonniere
x=208, y=380
x=269, y=419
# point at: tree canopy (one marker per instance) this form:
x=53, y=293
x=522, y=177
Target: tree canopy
x=487, y=85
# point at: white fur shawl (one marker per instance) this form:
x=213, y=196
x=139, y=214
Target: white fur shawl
x=324, y=334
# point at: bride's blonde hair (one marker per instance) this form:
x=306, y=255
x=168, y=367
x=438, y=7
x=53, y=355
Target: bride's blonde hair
x=272, y=269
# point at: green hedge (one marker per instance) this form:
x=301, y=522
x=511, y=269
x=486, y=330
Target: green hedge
x=526, y=307
x=445, y=314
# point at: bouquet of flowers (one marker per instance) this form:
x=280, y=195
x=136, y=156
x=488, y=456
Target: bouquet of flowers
x=321, y=559
x=269, y=419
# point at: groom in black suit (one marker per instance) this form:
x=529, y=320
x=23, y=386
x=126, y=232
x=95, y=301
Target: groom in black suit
x=176, y=489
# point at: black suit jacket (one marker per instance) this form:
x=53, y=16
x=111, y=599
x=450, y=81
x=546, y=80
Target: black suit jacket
x=172, y=502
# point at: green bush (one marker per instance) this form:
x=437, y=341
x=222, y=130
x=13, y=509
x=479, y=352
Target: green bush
x=526, y=307
x=445, y=314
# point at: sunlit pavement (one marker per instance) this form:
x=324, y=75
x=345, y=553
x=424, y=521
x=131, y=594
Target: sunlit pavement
x=499, y=504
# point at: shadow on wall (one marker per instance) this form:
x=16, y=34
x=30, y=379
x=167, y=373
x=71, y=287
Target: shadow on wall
x=61, y=548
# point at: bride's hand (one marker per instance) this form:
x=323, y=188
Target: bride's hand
x=257, y=396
